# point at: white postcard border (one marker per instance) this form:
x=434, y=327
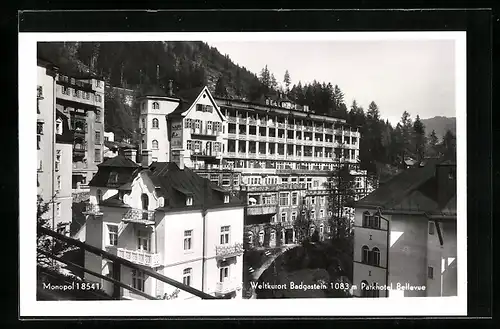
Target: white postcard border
x=29, y=306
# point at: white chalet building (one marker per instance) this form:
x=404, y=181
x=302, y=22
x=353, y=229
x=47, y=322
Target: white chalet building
x=165, y=217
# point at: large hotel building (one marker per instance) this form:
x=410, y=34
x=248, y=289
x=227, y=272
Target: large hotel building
x=276, y=155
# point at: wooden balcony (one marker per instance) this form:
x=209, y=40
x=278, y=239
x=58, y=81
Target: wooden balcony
x=224, y=251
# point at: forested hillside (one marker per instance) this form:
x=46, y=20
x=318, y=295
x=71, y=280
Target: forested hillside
x=140, y=65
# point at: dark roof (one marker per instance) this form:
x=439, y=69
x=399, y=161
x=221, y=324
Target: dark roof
x=114, y=201
x=174, y=184
x=189, y=95
x=67, y=135
x=414, y=188
x=119, y=161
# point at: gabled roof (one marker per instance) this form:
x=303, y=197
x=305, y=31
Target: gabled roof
x=154, y=91
x=119, y=161
x=414, y=188
x=175, y=184
x=189, y=96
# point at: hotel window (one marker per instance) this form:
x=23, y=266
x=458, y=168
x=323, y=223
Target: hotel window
x=313, y=214
x=283, y=217
x=322, y=200
x=143, y=242
x=365, y=254
x=187, y=239
x=226, y=198
x=375, y=257
x=430, y=272
x=98, y=116
x=209, y=125
x=98, y=137
x=98, y=98
x=316, y=183
x=313, y=200
x=59, y=183
x=138, y=280
x=261, y=237
x=295, y=199
x=143, y=123
x=38, y=141
x=99, y=196
x=189, y=201
x=156, y=124
x=224, y=234
x=197, y=124
x=431, y=228
x=97, y=154
x=155, y=144
x=186, y=276
x=113, y=234
x=189, y=145
x=74, y=92
x=188, y=123
x=321, y=213
x=293, y=217
x=156, y=106
x=58, y=209
x=39, y=128
x=284, y=198
x=321, y=228
x=223, y=274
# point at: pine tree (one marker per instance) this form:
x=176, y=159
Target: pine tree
x=221, y=87
x=433, y=139
x=273, y=83
x=450, y=144
x=419, y=138
x=265, y=77
x=286, y=80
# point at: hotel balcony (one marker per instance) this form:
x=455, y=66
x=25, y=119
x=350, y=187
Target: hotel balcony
x=308, y=142
x=329, y=131
x=231, y=119
x=205, y=154
x=243, y=121
x=252, y=121
x=139, y=257
x=92, y=209
x=134, y=215
x=262, y=209
x=227, y=286
x=281, y=125
x=224, y=251
x=337, y=131
x=318, y=129
x=290, y=126
x=271, y=124
x=308, y=128
x=79, y=149
x=231, y=135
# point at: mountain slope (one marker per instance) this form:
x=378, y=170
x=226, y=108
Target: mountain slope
x=440, y=125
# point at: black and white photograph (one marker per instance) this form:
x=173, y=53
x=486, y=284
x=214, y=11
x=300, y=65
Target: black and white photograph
x=256, y=168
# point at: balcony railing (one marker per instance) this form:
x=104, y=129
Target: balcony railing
x=227, y=286
x=262, y=209
x=92, y=209
x=134, y=215
x=205, y=153
x=281, y=125
x=226, y=251
x=252, y=121
x=271, y=124
x=231, y=119
x=290, y=126
x=205, y=132
x=262, y=123
x=139, y=257
x=329, y=130
x=308, y=128
x=318, y=129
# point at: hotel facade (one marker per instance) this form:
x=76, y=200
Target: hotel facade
x=167, y=218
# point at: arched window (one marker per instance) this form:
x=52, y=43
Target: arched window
x=155, y=144
x=365, y=254
x=365, y=289
x=99, y=196
x=250, y=238
x=272, y=235
x=155, y=123
x=145, y=201
x=311, y=229
x=261, y=237
x=366, y=219
x=156, y=106
x=321, y=228
x=375, y=256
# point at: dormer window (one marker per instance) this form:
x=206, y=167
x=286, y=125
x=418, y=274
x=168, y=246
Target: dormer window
x=189, y=201
x=113, y=177
x=226, y=198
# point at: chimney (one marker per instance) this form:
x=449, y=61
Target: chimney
x=178, y=159
x=147, y=158
x=131, y=154
x=170, y=88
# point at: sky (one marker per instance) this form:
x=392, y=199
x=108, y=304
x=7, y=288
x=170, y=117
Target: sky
x=417, y=76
